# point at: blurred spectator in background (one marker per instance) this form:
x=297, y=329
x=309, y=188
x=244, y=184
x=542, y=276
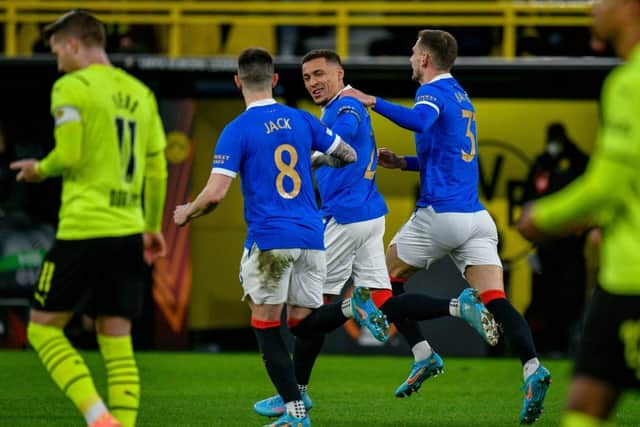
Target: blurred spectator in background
x=132, y=39
x=558, y=265
x=554, y=41
x=289, y=39
x=474, y=41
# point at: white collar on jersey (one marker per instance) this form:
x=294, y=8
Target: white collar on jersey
x=336, y=97
x=262, y=103
x=440, y=77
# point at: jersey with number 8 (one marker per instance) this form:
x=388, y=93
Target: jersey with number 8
x=270, y=145
x=120, y=126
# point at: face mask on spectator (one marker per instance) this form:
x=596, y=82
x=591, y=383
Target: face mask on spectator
x=554, y=148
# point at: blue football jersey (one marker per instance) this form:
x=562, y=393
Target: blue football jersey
x=270, y=146
x=350, y=194
x=448, y=149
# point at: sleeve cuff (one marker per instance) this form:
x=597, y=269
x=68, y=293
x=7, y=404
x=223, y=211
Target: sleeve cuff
x=379, y=104
x=41, y=168
x=412, y=163
x=335, y=144
x=226, y=172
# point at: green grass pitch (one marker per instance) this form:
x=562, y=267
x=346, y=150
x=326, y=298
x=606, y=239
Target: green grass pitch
x=195, y=389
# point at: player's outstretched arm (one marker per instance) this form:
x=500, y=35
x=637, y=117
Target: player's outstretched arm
x=417, y=119
x=67, y=154
x=609, y=181
x=578, y=206
x=365, y=99
x=208, y=199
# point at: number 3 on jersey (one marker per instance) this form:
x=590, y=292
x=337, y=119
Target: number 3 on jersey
x=471, y=118
x=126, y=139
x=287, y=170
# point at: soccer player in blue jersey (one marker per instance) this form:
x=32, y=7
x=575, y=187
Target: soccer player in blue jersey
x=449, y=218
x=353, y=211
x=269, y=145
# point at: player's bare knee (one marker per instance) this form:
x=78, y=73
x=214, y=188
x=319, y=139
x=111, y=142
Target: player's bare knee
x=402, y=271
x=113, y=326
x=396, y=267
x=391, y=256
x=55, y=319
x=266, y=312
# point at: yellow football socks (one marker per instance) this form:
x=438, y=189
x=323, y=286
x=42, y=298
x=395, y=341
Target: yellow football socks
x=122, y=378
x=67, y=368
x=578, y=419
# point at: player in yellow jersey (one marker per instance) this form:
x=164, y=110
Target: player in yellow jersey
x=608, y=194
x=109, y=146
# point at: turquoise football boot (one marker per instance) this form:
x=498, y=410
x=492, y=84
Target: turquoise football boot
x=420, y=371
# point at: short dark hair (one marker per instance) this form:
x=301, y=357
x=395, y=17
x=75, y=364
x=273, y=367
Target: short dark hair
x=442, y=47
x=81, y=24
x=328, y=54
x=255, y=68
x=556, y=130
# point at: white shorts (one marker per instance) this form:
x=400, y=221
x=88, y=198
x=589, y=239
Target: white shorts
x=355, y=250
x=468, y=238
x=277, y=276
